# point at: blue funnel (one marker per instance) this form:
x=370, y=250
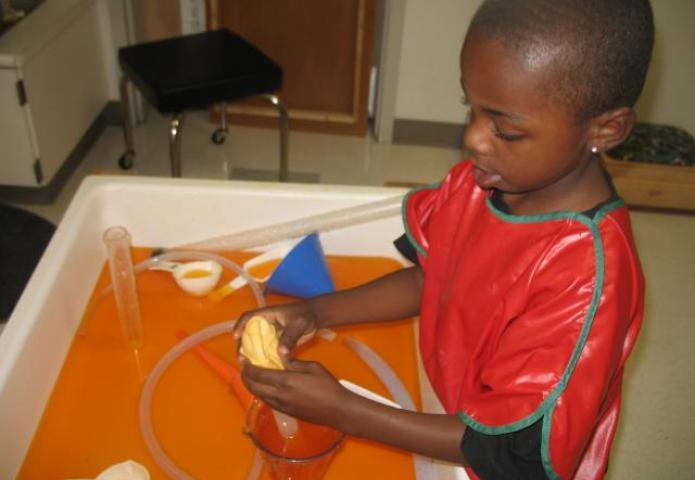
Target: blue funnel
x=303, y=272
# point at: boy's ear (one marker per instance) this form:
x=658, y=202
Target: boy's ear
x=611, y=128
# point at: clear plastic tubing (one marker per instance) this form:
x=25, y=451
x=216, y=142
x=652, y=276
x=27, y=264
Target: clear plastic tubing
x=424, y=469
x=324, y=222
x=117, y=242
x=167, y=465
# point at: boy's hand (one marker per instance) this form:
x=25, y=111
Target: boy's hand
x=305, y=390
x=296, y=323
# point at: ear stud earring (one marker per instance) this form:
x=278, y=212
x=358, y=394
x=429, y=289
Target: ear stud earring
x=594, y=150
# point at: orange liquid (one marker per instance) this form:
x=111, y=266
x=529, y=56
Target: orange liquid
x=264, y=269
x=196, y=274
x=304, y=456
x=309, y=441
x=91, y=418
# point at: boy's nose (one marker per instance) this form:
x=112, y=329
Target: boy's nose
x=476, y=137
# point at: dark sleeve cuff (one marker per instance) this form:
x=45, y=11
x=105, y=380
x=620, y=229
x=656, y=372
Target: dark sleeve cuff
x=501, y=457
x=406, y=248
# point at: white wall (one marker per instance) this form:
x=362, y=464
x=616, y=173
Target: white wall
x=116, y=32
x=669, y=95
x=428, y=81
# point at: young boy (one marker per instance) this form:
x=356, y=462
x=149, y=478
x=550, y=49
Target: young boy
x=527, y=283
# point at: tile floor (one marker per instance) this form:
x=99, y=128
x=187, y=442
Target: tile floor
x=654, y=439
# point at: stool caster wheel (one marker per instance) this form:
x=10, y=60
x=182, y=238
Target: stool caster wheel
x=126, y=160
x=218, y=136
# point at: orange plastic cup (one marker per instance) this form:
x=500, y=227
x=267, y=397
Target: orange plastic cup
x=305, y=456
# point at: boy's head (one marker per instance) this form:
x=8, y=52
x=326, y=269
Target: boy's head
x=551, y=84
x=600, y=49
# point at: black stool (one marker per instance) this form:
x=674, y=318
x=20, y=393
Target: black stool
x=196, y=71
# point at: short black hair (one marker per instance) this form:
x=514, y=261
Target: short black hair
x=606, y=45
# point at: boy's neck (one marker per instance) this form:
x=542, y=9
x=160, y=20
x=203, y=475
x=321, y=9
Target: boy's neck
x=589, y=188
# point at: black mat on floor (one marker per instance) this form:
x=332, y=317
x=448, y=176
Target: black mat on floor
x=23, y=238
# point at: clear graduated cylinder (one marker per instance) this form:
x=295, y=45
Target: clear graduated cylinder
x=117, y=241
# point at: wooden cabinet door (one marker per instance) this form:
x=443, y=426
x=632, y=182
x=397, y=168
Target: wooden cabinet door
x=324, y=48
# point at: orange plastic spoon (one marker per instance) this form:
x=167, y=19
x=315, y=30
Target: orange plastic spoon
x=224, y=370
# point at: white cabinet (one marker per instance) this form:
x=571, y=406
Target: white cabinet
x=16, y=150
x=53, y=85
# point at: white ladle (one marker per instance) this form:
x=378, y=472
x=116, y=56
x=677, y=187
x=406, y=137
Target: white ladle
x=195, y=278
x=366, y=393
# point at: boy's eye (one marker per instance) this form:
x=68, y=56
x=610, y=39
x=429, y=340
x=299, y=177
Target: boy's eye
x=507, y=137
x=464, y=101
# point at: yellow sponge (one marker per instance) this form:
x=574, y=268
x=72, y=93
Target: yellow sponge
x=259, y=343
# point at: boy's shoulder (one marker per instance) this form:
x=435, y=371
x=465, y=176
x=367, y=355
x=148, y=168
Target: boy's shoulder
x=617, y=242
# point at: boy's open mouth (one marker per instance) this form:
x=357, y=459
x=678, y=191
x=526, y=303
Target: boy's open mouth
x=485, y=179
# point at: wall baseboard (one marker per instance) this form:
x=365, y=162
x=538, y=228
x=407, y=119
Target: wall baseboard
x=420, y=132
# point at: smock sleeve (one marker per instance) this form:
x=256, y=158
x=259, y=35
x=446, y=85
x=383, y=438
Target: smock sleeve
x=422, y=204
x=505, y=456
x=406, y=249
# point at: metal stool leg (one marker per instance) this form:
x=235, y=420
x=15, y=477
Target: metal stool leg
x=175, y=143
x=126, y=160
x=284, y=125
x=219, y=135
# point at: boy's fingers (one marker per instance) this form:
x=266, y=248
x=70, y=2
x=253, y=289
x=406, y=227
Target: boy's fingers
x=265, y=383
x=241, y=323
x=289, y=337
x=266, y=376
x=260, y=390
x=306, y=337
x=302, y=366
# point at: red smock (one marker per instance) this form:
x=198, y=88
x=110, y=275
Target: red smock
x=527, y=318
